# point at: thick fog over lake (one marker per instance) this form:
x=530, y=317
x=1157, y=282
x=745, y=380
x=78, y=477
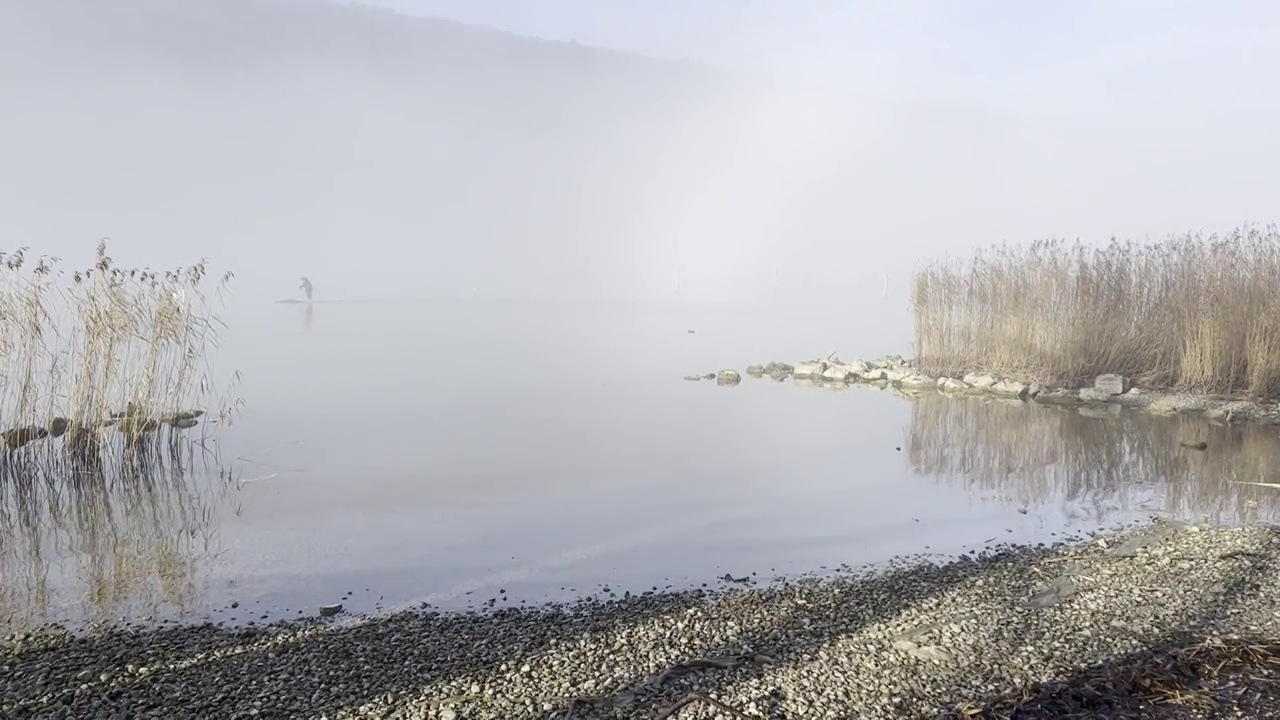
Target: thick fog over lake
x=383, y=154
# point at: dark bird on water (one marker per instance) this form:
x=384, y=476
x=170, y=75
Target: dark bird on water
x=306, y=287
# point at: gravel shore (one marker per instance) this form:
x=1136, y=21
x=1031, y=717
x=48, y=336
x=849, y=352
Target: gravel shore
x=1166, y=620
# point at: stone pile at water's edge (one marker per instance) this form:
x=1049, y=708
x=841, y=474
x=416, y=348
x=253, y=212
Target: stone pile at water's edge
x=1107, y=389
x=1167, y=620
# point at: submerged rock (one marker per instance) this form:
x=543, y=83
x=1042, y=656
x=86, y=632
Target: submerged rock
x=177, y=417
x=1234, y=411
x=728, y=377
x=1107, y=411
x=693, y=378
x=1218, y=415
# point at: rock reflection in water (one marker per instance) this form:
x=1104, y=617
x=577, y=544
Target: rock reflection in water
x=1127, y=461
x=92, y=541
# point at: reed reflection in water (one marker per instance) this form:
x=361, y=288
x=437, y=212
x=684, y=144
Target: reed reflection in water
x=125, y=532
x=1099, y=461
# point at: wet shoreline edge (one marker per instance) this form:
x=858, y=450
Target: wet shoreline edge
x=921, y=638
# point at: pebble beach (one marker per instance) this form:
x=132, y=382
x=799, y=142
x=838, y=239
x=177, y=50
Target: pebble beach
x=1160, y=620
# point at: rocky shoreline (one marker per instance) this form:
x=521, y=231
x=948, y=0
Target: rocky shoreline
x=1163, y=620
x=1107, y=392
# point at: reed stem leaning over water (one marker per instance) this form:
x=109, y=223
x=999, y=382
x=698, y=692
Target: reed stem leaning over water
x=93, y=355
x=1193, y=313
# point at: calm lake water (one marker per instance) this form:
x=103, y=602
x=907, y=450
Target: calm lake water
x=389, y=455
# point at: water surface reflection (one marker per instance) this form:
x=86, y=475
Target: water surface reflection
x=1104, y=462
x=379, y=474
x=95, y=541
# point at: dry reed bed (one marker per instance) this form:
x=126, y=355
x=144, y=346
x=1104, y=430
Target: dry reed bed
x=102, y=373
x=1193, y=313
x=103, y=347
x=1033, y=454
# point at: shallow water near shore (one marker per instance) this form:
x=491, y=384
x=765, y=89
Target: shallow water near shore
x=461, y=454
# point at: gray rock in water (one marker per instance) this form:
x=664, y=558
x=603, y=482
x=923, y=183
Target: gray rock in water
x=1179, y=403
x=776, y=368
x=809, y=370
x=835, y=374
x=858, y=367
x=693, y=378
x=1010, y=389
x=1094, y=395
x=1235, y=411
x=874, y=375
x=1057, y=397
x=330, y=610
x=895, y=374
x=1111, y=384
x=755, y=370
x=981, y=381
x=1217, y=415
x=917, y=382
x=778, y=371
x=728, y=377
x=952, y=385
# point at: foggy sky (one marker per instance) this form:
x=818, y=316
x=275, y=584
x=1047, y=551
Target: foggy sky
x=823, y=144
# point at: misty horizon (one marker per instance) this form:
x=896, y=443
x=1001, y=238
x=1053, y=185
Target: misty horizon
x=386, y=155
